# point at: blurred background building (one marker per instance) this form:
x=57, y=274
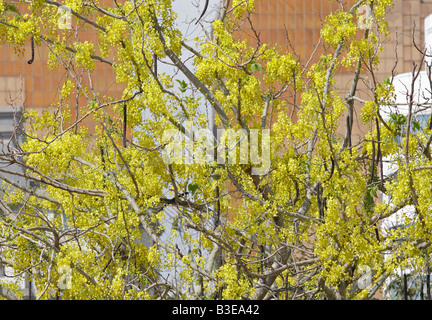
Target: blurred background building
x=293, y=24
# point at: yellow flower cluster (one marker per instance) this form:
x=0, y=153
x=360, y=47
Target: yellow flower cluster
x=339, y=27
x=83, y=59
x=368, y=111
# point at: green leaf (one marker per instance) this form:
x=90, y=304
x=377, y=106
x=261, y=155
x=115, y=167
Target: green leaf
x=183, y=85
x=373, y=191
x=368, y=202
x=416, y=125
x=11, y=7
x=255, y=66
x=192, y=188
x=398, y=119
x=258, y=67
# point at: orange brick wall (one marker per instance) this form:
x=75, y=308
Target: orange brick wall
x=35, y=86
x=295, y=25
x=300, y=21
x=295, y=21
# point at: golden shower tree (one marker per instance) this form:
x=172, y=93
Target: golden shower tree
x=115, y=215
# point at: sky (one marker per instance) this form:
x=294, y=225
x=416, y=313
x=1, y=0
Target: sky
x=188, y=12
